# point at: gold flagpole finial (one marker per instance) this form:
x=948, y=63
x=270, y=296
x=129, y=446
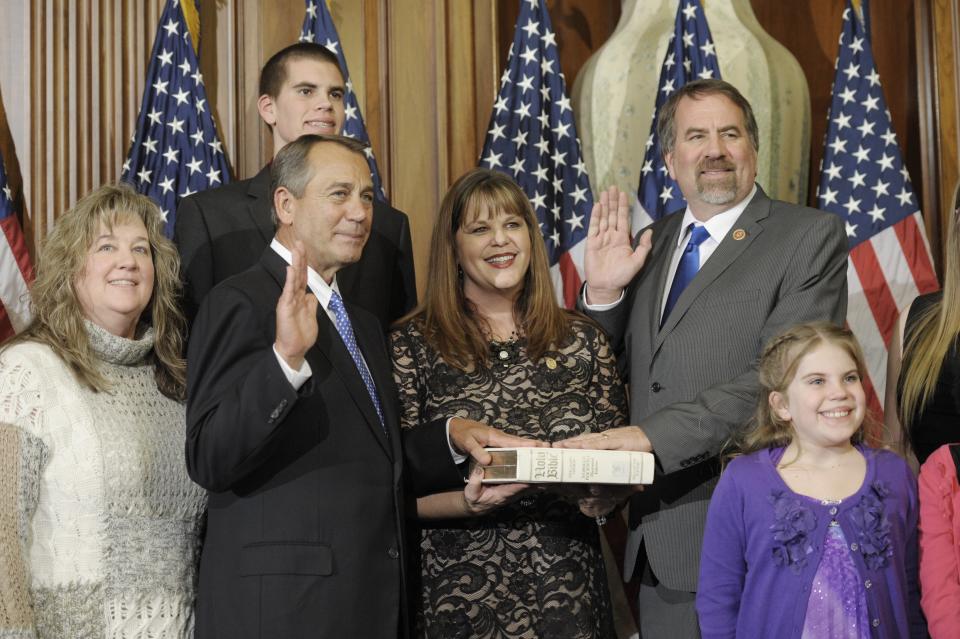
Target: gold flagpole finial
x=193, y=22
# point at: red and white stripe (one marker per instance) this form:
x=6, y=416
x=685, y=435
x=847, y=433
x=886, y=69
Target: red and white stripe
x=567, y=275
x=884, y=275
x=15, y=274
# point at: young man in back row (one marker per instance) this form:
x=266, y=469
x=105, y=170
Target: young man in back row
x=222, y=232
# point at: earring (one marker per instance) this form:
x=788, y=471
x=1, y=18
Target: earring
x=459, y=272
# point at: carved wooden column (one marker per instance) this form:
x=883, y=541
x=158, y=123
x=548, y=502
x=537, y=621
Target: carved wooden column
x=937, y=28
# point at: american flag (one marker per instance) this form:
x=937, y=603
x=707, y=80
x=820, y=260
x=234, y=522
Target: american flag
x=16, y=271
x=863, y=179
x=175, y=150
x=318, y=27
x=533, y=138
x=690, y=56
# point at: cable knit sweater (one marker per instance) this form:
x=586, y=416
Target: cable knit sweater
x=99, y=523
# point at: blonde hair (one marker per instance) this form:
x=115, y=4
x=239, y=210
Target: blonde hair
x=928, y=342
x=449, y=322
x=58, y=318
x=777, y=369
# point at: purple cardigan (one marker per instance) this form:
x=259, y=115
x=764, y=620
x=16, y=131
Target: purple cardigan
x=763, y=544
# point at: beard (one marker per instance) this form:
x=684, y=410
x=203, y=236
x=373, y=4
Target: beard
x=717, y=191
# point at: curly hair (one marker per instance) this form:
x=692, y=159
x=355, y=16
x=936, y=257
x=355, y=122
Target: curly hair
x=58, y=317
x=777, y=368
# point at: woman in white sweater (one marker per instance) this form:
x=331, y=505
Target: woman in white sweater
x=99, y=523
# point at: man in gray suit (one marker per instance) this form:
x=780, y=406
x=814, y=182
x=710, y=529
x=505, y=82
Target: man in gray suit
x=689, y=308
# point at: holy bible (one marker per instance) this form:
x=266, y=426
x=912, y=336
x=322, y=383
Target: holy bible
x=568, y=465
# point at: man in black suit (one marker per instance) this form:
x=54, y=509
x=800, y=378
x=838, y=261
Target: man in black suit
x=292, y=426
x=222, y=232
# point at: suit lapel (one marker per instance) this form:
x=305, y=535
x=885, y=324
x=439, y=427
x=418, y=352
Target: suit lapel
x=659, y=262
x=725, y=254
x=370, y=339
x=330, y=346
x=259, y=203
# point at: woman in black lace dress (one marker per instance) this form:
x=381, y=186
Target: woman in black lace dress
x=491, y=344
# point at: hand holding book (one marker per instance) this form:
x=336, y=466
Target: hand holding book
x=561, y=466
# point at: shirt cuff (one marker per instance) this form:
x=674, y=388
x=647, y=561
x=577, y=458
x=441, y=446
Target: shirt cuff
x=300, y=377
x=457, y=457
x=600, y=307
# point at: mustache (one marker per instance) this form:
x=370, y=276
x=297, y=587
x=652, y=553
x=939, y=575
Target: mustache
x=714, y=165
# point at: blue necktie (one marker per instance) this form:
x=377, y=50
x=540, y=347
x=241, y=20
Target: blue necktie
x=686, y=269
x=345, y=328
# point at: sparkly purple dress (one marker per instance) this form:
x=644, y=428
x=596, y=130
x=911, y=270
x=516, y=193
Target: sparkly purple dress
x=837, y=608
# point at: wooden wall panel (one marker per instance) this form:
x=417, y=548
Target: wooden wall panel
x=416, y=63
x=87, y=62
x=938, y=41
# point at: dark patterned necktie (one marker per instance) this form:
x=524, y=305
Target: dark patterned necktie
x=345, y=328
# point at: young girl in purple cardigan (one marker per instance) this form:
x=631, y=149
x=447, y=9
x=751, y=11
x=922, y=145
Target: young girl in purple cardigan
x=810, y=532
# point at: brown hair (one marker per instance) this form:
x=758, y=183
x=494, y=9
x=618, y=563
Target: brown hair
x=450, y=323
x=936, y=331
x=274, y=72
x=777, y=368
x=666, y=121
x=58, y=318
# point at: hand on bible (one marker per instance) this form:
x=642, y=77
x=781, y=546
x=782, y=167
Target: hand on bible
x=623, y=438
x=469, y=437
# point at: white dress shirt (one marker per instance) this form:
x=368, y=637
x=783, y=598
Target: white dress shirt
x=323, y=292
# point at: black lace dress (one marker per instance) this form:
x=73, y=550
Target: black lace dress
x=532, y=568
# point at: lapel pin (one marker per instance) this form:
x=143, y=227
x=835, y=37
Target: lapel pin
x=739, y=234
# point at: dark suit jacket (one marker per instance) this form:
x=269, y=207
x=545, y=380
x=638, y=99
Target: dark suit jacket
x=222, y=232
x=305, y=528
x=694, y=381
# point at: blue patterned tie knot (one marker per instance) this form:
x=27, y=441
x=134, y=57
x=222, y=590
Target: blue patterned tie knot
x=345, y=328
x=687, y=267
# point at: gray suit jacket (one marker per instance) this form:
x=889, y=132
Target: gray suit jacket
x=694, y=381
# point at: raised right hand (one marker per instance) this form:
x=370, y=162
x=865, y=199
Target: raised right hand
x=296, y=312
x=609, y=260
